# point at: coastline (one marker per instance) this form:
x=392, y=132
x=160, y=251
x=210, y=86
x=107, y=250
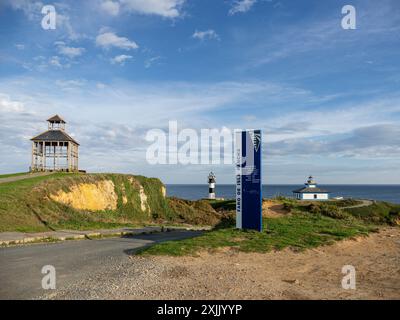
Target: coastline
x=379, y=192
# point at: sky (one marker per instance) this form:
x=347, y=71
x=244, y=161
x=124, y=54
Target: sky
x=326, y=99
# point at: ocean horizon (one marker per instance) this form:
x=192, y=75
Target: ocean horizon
x=381, y=192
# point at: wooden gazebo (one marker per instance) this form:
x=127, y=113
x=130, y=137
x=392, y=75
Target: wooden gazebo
x=54, y=150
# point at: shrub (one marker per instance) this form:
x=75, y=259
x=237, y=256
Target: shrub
x=289, y=204
x=380, y=212
x=327, y=210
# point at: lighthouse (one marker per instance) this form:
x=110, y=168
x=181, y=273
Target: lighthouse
x=311, y=191
x=211, y=186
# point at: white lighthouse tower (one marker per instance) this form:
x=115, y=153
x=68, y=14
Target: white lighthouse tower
x=211, y=186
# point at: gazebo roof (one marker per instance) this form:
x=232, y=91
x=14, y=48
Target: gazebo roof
x=56, y=118
x=311, y=190
x=54, y=135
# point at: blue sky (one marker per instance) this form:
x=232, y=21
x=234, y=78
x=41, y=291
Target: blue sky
x=327, y=99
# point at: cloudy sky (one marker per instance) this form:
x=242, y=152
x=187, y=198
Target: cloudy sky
x=327, y=99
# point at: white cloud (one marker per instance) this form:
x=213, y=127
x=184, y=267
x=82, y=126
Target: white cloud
x=20, y=46
x=71, y=85
x=241, y=6
x=151, y=61
x=366, y=131
x=70, y=52
x=164, y=8
x=110, y=7
x=8, y=105
x=207, y=34
x=63, y=21
x=55, y=61
x=320, y=35
x=32, y=9
x=110, y=39
x=100, y=85
x=120, y=59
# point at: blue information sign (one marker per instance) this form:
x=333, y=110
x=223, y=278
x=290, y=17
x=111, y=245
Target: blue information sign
x=248, y=180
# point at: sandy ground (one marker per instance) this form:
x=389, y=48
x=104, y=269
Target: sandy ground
x=273, y=209
x=228, y=274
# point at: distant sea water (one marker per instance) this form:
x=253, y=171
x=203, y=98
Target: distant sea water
x=389, y=193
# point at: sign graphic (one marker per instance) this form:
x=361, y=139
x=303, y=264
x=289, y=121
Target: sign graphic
x=248, y=180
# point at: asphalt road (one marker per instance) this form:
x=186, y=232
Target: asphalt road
x=20, y=267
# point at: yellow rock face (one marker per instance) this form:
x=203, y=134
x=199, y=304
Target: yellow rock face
x=164, y=191
x=89, y=196
x=143, y=200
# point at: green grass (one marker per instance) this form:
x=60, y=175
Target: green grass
x=380, y=213
x=15, y=199
x=223, y=204
x=26, y=205
x=310, y=224
x=8, y=175
x=298, y=231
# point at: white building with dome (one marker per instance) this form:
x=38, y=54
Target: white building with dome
x=311, y=191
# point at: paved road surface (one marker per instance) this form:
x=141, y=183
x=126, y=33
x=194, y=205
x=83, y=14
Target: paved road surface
x=25, y=176
x=20, y=267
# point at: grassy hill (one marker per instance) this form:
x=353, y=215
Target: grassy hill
x=303, y=225
x=93, y=201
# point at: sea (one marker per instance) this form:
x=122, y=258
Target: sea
x=389, y=193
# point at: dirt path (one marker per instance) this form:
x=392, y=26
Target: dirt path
x=313, y=274
x=25, y=176
x=364, y=203
x=273, y=209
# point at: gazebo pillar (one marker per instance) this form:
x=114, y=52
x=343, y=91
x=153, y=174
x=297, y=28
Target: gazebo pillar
x=69, y=145
x=77, y=158
x=33, y=156
x=44, y=156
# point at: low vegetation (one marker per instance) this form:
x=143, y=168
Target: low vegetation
x=306, y=225
x=9, y=175
x=200, y=212
x=99, y=201
x=44, y=203
x=299, y=231
x=378, y=213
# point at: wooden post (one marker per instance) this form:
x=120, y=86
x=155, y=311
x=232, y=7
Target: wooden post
x=54, y=156
x=77, y=158
x=58, y=153
x=68, y=156
x=44, y=156
x=32, y=155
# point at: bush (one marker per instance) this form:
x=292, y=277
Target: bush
x=380, y=212
x=289, y=204
x=327, y=210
